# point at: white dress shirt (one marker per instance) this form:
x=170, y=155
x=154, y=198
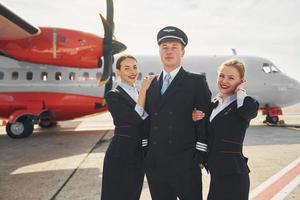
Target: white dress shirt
x=172, y=73
x=223, y=103
x=132, y=91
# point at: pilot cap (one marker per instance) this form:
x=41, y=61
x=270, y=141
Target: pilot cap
x=172, y=33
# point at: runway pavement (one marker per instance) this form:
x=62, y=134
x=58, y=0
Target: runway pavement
x=66, y=162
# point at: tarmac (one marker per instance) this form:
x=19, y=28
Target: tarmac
x=66, y=162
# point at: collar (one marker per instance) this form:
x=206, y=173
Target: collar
x=126, y=86
x=172, y=73
x=219, y=98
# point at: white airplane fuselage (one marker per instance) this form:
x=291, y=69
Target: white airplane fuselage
x=265, y=81
x=60, y=93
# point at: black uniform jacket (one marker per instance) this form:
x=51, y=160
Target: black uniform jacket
x=172, y=133
x=226, y=134
x=127, y=140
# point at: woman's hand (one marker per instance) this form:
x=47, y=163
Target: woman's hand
x=197, y=115
x=240, y=87
x=240, y=91
x=147, y=80
x=144, y=87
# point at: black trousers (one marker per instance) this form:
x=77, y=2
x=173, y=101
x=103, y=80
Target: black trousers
x=186, y=186
x=122, y=179
x=229, y=187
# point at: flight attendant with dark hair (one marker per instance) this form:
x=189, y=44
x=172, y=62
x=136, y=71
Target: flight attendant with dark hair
x=123, y=171
x=227, y=121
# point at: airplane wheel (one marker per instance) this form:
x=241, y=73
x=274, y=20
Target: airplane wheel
x=46, y=123
x=272, y=120
x=19, y=129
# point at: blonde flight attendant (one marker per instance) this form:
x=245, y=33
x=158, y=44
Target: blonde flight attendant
x=227, y=120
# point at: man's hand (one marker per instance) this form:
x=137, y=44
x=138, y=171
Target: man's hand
x=197, y=115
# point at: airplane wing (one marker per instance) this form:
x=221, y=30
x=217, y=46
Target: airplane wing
x=14, y=27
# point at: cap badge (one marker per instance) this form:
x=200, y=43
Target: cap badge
x=169, y=30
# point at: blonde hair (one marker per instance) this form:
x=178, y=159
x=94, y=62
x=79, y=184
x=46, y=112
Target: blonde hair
x=238, y=65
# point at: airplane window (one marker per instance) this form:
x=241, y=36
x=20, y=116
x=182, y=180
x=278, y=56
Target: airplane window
x=58, y=76
x=139, y=76
x=85, y=76
x=266, y=64
x=269, y=68
x=44, y=76
x=266, y=68
x=15, y=76
x=29, y=76
x=274, y=69
x=1, y=75
x=72, y=76
x=98, y=76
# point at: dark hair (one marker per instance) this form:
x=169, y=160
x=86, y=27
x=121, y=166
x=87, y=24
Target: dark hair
x=123, y=57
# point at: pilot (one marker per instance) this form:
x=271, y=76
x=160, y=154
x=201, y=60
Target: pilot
x=176, y=143
x=228, y=118
x=123, y=170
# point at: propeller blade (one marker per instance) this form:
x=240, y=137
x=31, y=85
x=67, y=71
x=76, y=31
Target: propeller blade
x=108, y=34
x=110, y=46
x=107, y=70
x=110, y=14
x=118, y=47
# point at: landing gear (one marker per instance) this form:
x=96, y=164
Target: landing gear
x=22, y=125
x=20, y=129
x=46, y=123
x=272, y=120
x=45, y=120
x=272, y=114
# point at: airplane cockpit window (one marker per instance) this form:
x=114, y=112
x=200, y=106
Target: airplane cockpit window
x=274, y=69
x=85, y=76
x=58, y=76
x=1, y=75
x=72, y=76
x=98, y=76
x=44, y=76
x=266, y=68
x=15, y=76
x=269, y=68
x=29, y=76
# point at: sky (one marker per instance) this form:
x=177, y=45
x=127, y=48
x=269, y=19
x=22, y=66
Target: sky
x=265, y=28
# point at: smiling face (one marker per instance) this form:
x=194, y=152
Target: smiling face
x=228, y=79
x=171, y=53
x=128, y=71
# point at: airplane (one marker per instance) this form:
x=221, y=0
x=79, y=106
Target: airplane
x=54, y=74
x=51, y=74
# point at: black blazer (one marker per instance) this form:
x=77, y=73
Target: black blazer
x=226, y=134
x=127, y=139
x=172, y=133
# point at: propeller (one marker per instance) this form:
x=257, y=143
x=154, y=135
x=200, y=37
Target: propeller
x=110, y=46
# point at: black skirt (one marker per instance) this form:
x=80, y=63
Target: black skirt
x=229, y=187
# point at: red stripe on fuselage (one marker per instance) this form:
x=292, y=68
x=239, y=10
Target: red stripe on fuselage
x=62, y=106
